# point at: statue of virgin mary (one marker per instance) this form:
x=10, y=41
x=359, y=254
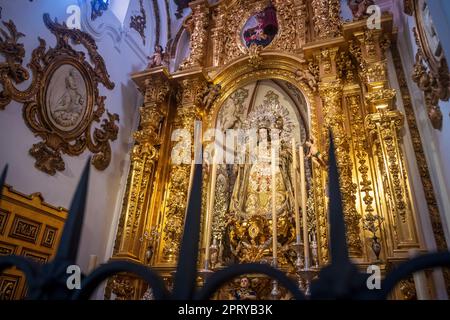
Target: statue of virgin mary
x=250, y=210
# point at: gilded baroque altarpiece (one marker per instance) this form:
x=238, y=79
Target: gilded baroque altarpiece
x=339, y=72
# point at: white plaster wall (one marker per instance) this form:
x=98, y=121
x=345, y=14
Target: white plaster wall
x=105, y=187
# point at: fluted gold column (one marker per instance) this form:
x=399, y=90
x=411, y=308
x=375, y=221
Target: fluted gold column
x=327, y=18
x=364, y=170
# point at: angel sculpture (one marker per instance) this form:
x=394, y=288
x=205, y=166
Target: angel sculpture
x=359, y=8
x=159, y=58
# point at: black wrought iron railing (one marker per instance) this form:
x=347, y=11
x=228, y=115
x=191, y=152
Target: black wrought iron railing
x=339, y=280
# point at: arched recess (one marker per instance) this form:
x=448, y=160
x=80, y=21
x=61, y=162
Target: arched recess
x=274, y=65
x=278, y=70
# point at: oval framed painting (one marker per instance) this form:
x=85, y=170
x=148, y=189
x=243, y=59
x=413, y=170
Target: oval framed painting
x=67, y=98
x=261, y=28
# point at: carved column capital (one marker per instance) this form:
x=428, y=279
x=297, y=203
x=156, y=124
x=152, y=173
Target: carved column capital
x=331, y=90
x=144, y=151
x=373, y=43
x=156, y=89
x=391, y=120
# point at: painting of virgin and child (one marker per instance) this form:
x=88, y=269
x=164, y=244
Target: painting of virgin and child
x=261, y=28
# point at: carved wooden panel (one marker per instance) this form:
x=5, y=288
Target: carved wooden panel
x=29, y=227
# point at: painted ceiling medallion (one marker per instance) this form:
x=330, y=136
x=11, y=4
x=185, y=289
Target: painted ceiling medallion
x=62, y=102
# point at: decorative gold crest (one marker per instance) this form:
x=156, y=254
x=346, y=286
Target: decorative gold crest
x=62, y=102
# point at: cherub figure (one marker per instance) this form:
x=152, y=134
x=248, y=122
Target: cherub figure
x=158, y=59
x=314, y=153
x=245, y=291
x=359, y=8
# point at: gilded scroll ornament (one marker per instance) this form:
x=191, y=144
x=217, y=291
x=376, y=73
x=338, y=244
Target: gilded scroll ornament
x=408, y=289
x=123, y=288
x=63, y=100
x=433, y=89
x=254, y=56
